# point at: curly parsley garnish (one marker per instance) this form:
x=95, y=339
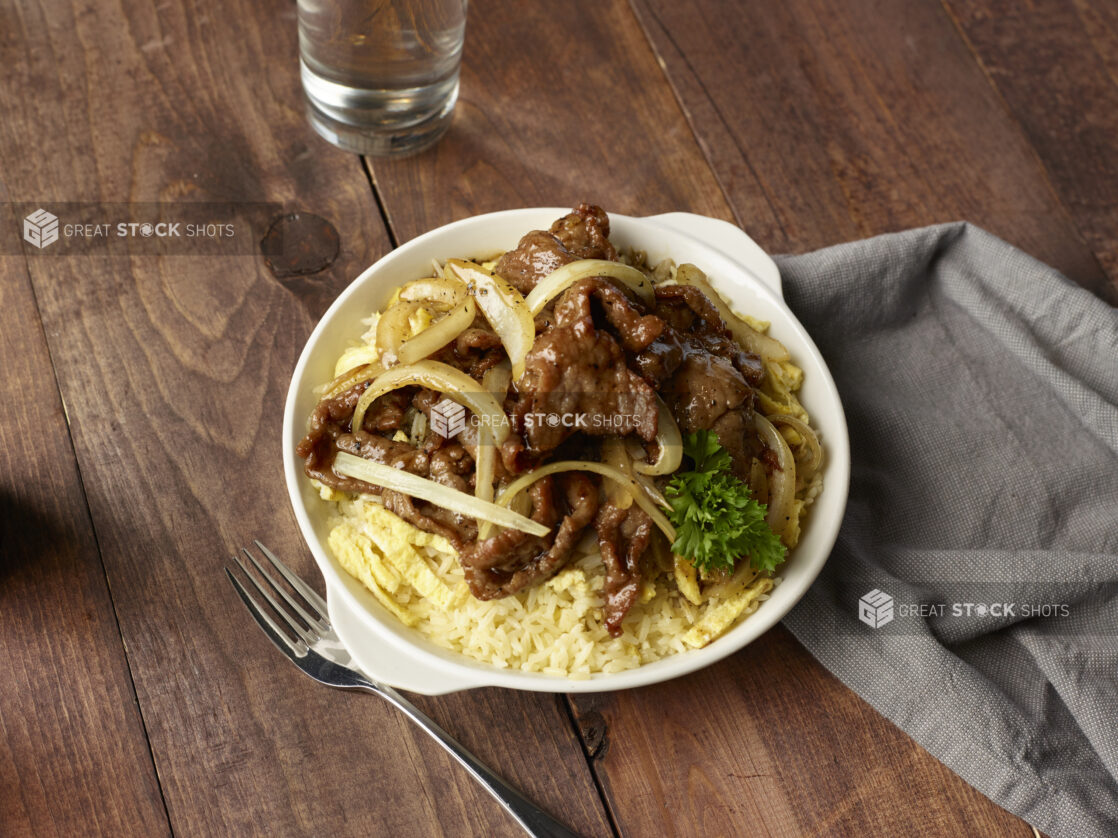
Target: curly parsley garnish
x=717, y=521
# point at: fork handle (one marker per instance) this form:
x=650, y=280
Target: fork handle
x=532, y=818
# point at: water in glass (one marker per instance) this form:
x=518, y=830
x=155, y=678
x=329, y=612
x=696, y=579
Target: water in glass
x=381, y=76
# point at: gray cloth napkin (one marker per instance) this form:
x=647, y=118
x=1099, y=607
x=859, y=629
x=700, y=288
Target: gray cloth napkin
x=981, y=389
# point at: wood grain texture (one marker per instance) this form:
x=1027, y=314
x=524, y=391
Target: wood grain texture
x=74, y=758
x=558, y=104
x=827, y=122
x=767, y=742
x=1055, y=65
x=173, y=371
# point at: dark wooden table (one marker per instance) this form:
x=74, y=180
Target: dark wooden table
x=141, y=396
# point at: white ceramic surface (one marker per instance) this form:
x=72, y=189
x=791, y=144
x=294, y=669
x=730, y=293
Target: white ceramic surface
x=397, y=655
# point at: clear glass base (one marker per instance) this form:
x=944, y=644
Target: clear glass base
x=379, y=122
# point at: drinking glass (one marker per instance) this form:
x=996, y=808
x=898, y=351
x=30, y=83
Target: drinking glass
x=381, y=76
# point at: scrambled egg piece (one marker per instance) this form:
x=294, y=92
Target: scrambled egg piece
x=361, y=560
x=354, y=357
x=687, y=580
x=756, y=325
x=397, y=541
x=572, y=579
x=384, y=554
x=327, y=493
x=720, y=617
x=792, y=533
x=420, y=320
x=777, y=393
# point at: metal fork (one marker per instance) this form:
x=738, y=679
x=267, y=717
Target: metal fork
x=304, y=635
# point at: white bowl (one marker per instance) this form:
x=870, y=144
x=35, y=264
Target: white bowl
x=394, y=654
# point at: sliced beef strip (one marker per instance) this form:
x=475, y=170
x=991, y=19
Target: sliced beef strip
x=474, y=351
x=443, y=461
x=328, y=422
x=635, y=329
x=580, y=497
x=381, y=449
x=737, y=435
x=703, y=388
x=692, y=322
x=512, y=458
x=707, y=392
x=660, y=359
x=475, y=338
x=315, y=447
x=426, y=399
x=452, y=466
x=623, y=536
x=514, y=455
x=478, y=350
x=751, y=367
x=712, y=388
x=324, y=474
x=585, y=233
x=510, y=548
x=690, y=313
x=582, y=234
x=576, y=376
x=681, y=305
x=512, y=560
x=386, y=413
x=748, y=364
x=485, y=362
x=536, y=255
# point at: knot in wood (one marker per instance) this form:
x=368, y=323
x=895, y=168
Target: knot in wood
x=299, y=244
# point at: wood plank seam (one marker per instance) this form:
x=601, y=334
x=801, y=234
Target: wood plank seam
x=382, y=208
x=591, y=762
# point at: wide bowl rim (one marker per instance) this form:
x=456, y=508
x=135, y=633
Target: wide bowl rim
x=460, y=672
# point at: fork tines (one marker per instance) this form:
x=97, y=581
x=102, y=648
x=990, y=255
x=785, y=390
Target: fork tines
x=305, y=623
